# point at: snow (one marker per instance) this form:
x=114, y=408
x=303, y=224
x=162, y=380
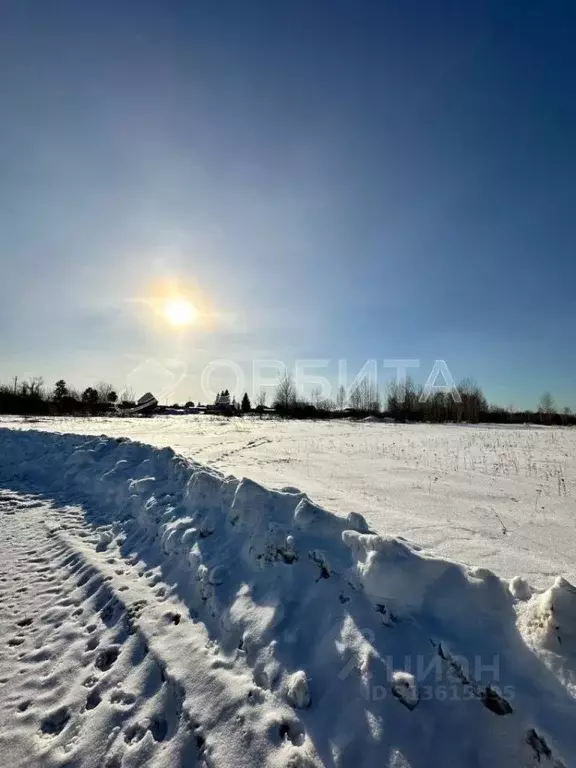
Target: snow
x=405, y=688
x=297, y=693
x=501, y=497
x=157, y=612
x=520, y=588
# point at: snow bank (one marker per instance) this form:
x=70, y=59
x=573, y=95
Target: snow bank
x=384, y=654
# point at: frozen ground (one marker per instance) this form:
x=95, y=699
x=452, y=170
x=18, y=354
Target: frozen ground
x=154, y=612
x=503, y=498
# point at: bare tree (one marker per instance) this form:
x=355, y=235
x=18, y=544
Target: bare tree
x=412, y=394
x=341, y=397
x=368, y=396
x=546, y=404
x=316, y=397
x=261, y=402
x=373, y=397
x=365, y=395
x=36, y=387
x=472, y=402
x=355, y=398
x=285, y=397
x=394, y=399
x=104, y=391
x=127, y=395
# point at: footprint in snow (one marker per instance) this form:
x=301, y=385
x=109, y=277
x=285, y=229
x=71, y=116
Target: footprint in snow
x=124, y=698
x=158, y=728
x=55, y=722
x=107, y=657
x=291, y=731
x=134, y=733
x=93, y=699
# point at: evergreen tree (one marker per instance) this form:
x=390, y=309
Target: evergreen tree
x=246, y=407
x=60, y=390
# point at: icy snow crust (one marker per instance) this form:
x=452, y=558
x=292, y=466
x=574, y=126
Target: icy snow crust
x=304, y=639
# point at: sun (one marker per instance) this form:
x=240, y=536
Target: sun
x=179, y=311
x=171, y=304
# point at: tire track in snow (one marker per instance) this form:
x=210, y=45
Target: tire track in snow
x=80, y=684
x=256, y=443
x=238, y=554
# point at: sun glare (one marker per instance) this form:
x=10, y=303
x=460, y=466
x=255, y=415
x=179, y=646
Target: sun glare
x=178, y=311
x=174, y=304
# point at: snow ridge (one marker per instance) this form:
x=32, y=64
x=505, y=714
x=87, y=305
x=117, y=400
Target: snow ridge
x=359, y=649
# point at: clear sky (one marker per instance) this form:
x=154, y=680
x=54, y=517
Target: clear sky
x=326, y=178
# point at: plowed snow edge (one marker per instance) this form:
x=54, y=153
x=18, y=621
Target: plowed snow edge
x=301, y=637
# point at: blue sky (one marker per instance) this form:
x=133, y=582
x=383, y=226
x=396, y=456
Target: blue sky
x=337, y=179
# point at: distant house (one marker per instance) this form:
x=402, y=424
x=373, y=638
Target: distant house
x=146, y=405
x=223, y=405
x=196, y=409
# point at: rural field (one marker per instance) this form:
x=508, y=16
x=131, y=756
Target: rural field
x=501, y=497
x=201, y=591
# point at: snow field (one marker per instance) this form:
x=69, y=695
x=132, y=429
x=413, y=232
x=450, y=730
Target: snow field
x=499, y=496
x=283, y=634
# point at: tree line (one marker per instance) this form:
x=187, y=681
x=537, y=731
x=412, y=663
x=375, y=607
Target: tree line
x=400, y=402
x=33, y=398
x=408, y=402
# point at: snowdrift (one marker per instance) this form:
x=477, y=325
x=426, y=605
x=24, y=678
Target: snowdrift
x=360, y=649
